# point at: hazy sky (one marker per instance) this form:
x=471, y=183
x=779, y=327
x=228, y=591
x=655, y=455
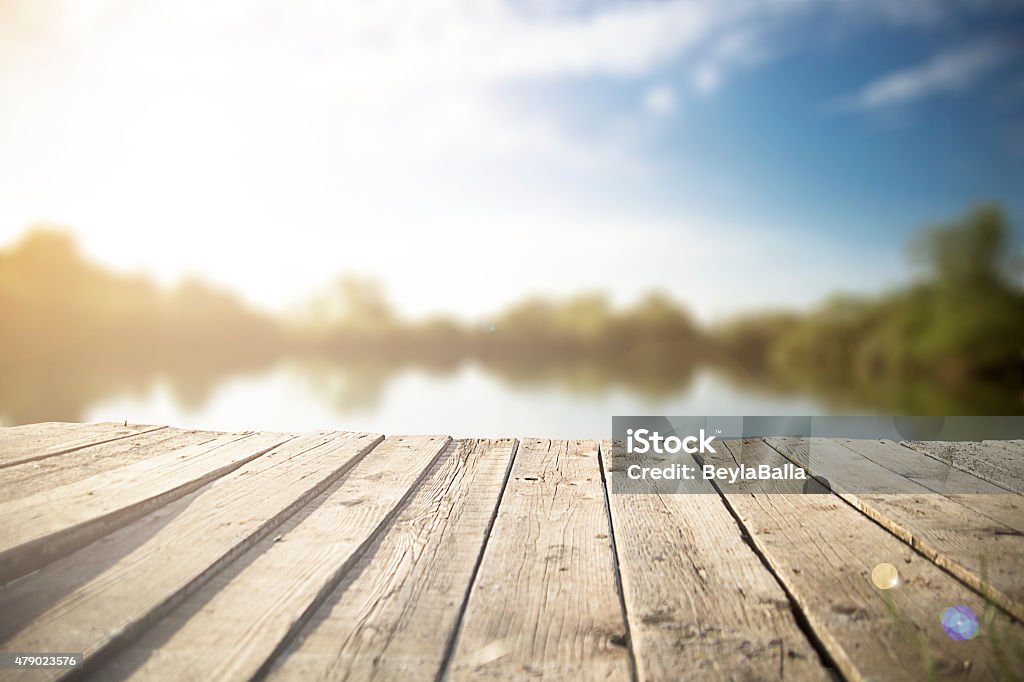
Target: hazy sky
x=733, y=153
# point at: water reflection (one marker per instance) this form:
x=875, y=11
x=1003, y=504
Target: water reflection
x=468, y=397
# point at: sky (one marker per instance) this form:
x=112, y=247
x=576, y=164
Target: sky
x=735, y=154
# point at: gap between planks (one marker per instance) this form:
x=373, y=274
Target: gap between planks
x=630, y=647
x=52, y=432
x=444, y=670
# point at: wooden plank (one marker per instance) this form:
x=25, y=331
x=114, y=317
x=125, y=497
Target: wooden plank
x=1000, y=462
x=981, y=551
x=292, y=573
x=984, y=497
x=394, y=614
x=50, y=523
x=544, y=602
x=33, y=442
x=697, y=597
x=27, y=478
x=103, y=596
x=934, y=474
x=823, y=550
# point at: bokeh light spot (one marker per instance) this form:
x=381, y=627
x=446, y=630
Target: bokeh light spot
x=885, y=576
x=960, y=623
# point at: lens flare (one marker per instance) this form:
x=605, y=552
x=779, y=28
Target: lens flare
x=960, y=623
x=885, y=576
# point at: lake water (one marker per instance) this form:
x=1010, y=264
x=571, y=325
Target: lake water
x=463, y=399
x=466, y=401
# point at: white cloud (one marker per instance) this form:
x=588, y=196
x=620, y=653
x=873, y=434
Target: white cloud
x=734, y=49
x=946, y=73
x=660, y=100
x=331, y=131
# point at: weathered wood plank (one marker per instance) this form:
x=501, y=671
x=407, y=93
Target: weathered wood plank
x=544, y=603
x=698, y=598
x=364, y=601
x=99, y=598
x=393, y=615
x=33, y=442
x=292, y=573
x=981, y=551
x=1001, y=462
x=984, y=497
x=823, y=550
x=48, y=524
x=27, y=478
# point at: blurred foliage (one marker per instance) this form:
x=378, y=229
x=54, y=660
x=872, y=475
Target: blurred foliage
x=587, y=326
x=71, y=332
x=55, y=302
x=962, y=323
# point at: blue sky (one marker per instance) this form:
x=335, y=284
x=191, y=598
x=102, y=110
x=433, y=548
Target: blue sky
x=782, y=138
x=736, y=154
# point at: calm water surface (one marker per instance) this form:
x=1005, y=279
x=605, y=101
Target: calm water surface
x=466, y=401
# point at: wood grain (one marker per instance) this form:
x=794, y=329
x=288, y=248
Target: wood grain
x=169, y=554
x=33, y=442
x=291, y=572
x=993, y=501
x=544, y=603
x=89, y=603
x=983, y=552
x=698, y=598
x=1001, y=462
x=393, y=616
x=41, y=527
x=824, y=550
x=27, y=478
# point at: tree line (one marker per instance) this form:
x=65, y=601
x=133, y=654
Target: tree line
x=960, y=322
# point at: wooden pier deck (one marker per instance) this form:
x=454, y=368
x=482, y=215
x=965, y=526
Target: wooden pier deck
x=170, y=554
